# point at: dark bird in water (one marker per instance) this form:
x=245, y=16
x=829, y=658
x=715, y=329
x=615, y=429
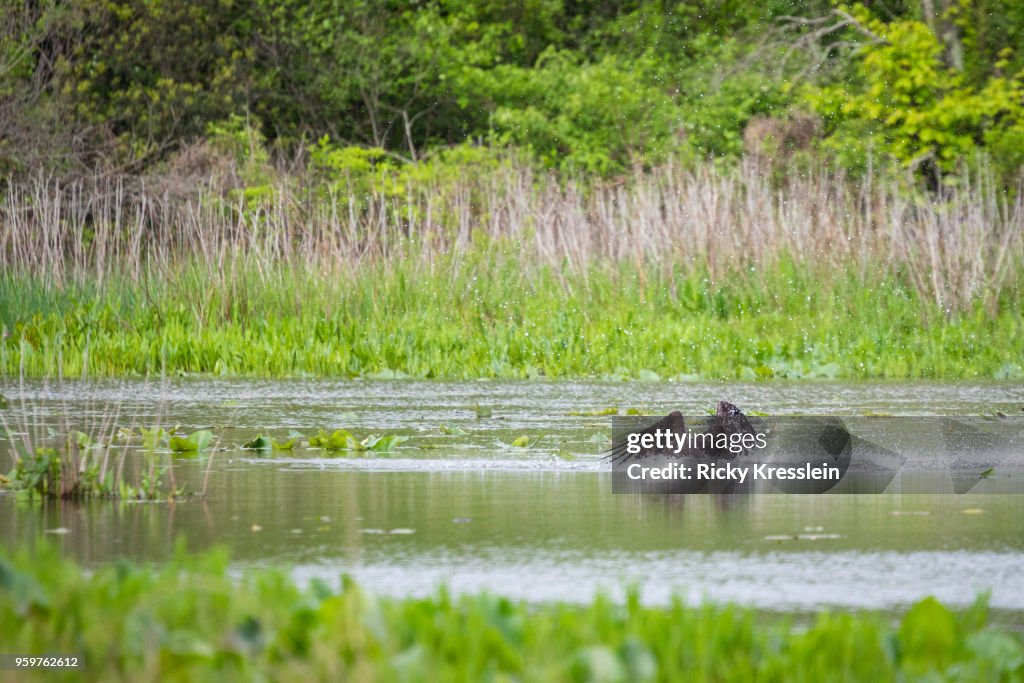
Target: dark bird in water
x=728, y=419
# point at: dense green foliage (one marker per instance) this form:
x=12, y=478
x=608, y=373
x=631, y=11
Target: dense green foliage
x=592, y=86
x=191, y=621
x=488, y=317
x=915, y=107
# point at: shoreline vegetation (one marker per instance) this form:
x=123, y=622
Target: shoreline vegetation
x=497, y=271
x=195, y=619
x=470, y=190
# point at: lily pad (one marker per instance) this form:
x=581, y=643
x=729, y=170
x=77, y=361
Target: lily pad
x=384, y=443
x=260, y=443
x=153, y=437
x=453, y=431
x=338, y=440
x=193, y=443
x=611, y=410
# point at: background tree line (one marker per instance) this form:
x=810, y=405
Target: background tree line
x=584, y=86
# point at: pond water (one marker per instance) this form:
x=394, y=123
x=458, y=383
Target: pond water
x=539, y=523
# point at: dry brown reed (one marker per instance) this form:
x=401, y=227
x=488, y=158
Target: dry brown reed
x=955, y=246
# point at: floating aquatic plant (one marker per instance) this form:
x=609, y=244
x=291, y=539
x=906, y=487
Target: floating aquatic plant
x=338, y=440
x=383, y=443
x=343, y=440
x=611, y=410
x=259, y=443
x=523, y=441
x=193, y=443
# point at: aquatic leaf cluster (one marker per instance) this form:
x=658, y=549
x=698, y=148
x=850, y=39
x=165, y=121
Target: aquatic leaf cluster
x=83, y=466
x=342, y=440
x=195, y=619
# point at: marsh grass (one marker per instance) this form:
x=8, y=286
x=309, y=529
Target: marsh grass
x=483, y=316
x=88, y=456
x=699, y=272
x=952, y=246
x=195, y=619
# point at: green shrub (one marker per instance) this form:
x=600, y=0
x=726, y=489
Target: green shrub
x=909, y=105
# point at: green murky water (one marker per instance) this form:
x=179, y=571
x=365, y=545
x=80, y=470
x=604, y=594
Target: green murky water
x=538, y=523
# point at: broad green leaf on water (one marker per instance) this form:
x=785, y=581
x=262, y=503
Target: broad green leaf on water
x=453, y=431
x=386, y=443
x=4, y=403
x=194, y=442
x=342, y=440
x=284, y=445
x=990, y=472
x=339, y=440
x=481, y=411
x=612, y=410
x=180, y=444
x=599, y=437
x=260, y=443
x=152, y=437
x=521, y=441
x=82, y=439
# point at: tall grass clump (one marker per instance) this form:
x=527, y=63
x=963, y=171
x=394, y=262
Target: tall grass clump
x=91, y=459
x=711, y=272
x=192, y=620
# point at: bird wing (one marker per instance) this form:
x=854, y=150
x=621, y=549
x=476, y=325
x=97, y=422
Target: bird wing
x=618, y=454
